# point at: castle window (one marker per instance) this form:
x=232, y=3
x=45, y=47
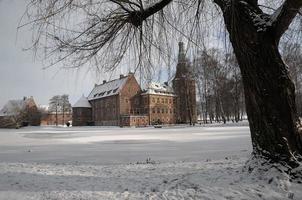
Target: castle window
x=166, y=100
x=158, y=110
x=153, y=100
x=163, y=110
x=108, y=92
x=153, y=110
x=162, y=100
x=157, y=100
x=170, y=101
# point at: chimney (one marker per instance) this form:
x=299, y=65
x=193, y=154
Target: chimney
x=104, y=81
x=121, y=76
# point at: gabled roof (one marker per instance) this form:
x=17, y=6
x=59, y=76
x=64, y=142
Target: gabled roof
x=82, y=103
x=107, y=89
x=13, y=107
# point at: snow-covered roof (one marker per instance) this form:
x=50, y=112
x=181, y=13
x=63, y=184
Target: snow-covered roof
x=108, y=89
x=82, y=103
x=44, y=107
x=159, y=89
x=12, y=107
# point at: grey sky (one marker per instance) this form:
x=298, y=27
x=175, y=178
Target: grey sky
x=20, y=75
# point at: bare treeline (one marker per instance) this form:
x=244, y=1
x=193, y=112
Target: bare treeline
x=219, y=87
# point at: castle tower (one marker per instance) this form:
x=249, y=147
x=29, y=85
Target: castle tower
x=185, y=89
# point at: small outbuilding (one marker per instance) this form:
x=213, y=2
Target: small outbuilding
x=82, y=113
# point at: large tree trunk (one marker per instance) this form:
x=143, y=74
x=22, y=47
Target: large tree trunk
x=269, y=91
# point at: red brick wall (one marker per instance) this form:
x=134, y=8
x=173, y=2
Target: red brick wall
x=130, y=97
x=134, y=120
x=81, y=116
x=161, y=108
x=105, y=111
x=50, y=119
x=185, y=90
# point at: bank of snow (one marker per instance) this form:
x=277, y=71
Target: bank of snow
x=219, y=179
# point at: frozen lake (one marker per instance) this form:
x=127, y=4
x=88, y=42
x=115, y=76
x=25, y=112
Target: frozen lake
x=113, y=145
x=102, y=163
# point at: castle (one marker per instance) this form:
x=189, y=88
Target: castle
x=122, y=102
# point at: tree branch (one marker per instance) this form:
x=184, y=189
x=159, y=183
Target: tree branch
x=221, y=3
x=284, y=15
x=137, y=17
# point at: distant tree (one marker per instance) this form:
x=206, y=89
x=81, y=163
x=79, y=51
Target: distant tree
x=292, y=54
x=55, y=106
x=66, y=106
x=19, y=113
x=16, y=118
x=59, y=104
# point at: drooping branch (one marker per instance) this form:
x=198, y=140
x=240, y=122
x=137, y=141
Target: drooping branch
x=284, y=15
x=137, y=17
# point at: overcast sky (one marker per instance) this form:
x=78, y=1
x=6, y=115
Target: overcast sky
x=20, y=75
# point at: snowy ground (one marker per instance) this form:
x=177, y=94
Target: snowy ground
x=111, y=163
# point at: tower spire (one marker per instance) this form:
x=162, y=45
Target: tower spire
x=181, y=52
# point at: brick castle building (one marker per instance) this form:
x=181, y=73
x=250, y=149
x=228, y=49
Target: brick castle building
x=122, y=102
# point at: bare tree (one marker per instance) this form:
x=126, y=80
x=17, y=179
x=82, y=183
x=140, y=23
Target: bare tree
x=66, y=106
x=55, y=106
x=293, y=57
x=105, y=31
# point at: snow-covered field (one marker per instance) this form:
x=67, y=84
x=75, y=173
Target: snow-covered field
x=128, y=163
